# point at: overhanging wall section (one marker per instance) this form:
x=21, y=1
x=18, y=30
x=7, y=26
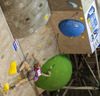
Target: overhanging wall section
x=62, y=10
x=25, y=17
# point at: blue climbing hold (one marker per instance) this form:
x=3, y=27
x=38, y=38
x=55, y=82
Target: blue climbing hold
x=71, y=28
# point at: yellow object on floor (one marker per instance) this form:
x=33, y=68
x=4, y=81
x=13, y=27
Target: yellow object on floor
x=6, y=87
x=13, y=68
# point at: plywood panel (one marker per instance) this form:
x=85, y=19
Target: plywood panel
x=62, y=5
x=75, y=45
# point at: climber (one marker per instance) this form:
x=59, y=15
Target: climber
x=32, y=74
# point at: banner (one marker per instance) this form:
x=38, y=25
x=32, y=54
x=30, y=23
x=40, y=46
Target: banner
x=93, y=27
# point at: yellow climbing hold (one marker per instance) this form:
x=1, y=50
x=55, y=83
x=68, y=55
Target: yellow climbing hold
x=3, y=91
x=13, y=68
x=46, y=17
x=80, y=7
x=76, y=25
x=59, y=90
x=57, y=48
x=71, y=37
x=14, y=90
x=39, y=46
x=19, y=78
x=81, y=18
x=43, y=32
x=26, y=79
x=32, y=86
x=28, y=69
x=48, y=39
x=82, y=37
x=51, y=67
x=6, y=87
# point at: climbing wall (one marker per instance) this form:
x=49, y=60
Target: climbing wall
x=62, y=10
x=25, y=17
x=7, y=55
x=42, y=44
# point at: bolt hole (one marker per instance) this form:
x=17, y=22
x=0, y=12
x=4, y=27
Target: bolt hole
x=44, y=59
x=27, y=19
x=2, y=56
x=40, y=5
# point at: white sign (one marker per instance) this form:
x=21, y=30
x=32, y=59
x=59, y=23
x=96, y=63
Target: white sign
x=93, y=27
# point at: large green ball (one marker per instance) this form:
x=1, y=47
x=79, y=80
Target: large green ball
x=60, y=73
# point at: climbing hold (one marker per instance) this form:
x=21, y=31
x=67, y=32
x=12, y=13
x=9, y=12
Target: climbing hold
x=26, y=79
x=59, y=90
x=51, y=67
x=43, y=31
x=32, y=86
x=60, y=73
x=72, y=3
x=80, y=7
x=13, y=68
x=81, y=18
x=14, y=90
x=39, y=46
x=76, y=25
x=71, y=28
x=82, y=37
x=46, y=17
x=19, y=78
x=48, y=39
x=57, y=48
x=6, y=87
x=71, y=37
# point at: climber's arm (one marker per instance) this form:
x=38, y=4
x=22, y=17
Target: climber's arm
x=36, y=59
x=46, y=75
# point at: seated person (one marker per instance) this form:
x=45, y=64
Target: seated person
x=32, y=74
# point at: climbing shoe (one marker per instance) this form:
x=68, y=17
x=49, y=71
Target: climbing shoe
x=12, y=87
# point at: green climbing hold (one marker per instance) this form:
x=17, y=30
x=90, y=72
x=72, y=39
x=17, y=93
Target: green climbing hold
x=61, y=71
